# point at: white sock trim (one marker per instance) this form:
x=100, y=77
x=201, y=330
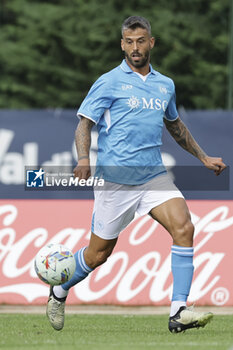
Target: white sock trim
x=183, y=251
x=60, y=292
x=175, y=305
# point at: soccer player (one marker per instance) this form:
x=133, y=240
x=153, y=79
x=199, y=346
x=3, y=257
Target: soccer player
x=130, y=104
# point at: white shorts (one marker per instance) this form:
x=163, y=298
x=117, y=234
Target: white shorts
x=116, y=204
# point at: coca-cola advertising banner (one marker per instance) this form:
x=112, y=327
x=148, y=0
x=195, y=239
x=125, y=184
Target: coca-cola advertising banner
x=138, y=271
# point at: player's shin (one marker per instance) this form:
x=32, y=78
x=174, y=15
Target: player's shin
x=82, y=271
x=182, y=270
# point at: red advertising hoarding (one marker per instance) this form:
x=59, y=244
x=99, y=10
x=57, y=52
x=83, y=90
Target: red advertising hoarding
x=137, y=273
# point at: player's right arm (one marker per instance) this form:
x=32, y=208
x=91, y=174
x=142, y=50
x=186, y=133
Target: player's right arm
x=83, y=144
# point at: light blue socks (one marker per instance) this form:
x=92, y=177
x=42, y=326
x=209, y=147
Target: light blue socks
x=182, y=270
x=81, y=272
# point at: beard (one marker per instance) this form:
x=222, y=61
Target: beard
x=141, y=61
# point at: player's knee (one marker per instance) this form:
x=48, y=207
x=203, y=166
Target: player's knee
x=184, y=235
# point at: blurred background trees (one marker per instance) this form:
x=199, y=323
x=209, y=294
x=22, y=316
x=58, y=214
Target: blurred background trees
x=51, y=51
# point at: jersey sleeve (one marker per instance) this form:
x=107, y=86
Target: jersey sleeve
x=171, y=113
x=98, y=99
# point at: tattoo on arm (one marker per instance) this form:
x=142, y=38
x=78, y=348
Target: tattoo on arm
x=183, y=137
x=83, y=138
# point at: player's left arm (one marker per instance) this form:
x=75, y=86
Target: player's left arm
x=183, y=137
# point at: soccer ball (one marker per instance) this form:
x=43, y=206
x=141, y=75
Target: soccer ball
x=55, y=264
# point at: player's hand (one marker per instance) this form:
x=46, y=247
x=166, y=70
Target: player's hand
x=215, y=164
x=83, y=169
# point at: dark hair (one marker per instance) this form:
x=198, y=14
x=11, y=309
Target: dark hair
x=134, y=22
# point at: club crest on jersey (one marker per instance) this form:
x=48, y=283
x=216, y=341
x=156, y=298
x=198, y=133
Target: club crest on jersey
x=163, y=90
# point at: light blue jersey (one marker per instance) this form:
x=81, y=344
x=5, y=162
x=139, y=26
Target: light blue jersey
x=129, y=110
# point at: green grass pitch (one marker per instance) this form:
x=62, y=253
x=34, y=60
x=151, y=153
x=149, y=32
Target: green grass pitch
x=106, y=332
